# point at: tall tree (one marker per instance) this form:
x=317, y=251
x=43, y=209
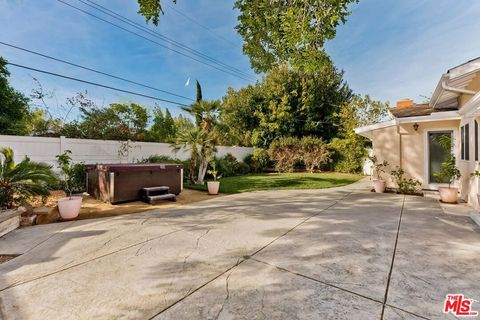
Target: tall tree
x=289, y=31
x=286, y=102
x=349, y=148
x=14, y=110
x=199, y=92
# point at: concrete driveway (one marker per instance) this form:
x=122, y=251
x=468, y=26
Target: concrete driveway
x=341, y=253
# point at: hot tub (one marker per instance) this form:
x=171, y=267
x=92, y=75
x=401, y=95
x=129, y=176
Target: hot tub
x=117, y=183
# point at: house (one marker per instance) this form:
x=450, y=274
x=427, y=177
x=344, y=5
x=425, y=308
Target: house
x=410, y=139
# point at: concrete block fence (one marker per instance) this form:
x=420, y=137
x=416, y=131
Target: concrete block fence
x=99, y=151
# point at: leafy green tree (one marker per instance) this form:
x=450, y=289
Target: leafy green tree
x=286, y=102
x=349, y=148
x=182, y=123
x=41, y=124
x=118, y=121
x=289, y=31
x=14, y=110
x=163, y=128
x=19, y=182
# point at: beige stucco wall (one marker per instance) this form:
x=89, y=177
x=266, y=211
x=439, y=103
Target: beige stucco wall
x=388, y=141
x=474, y=86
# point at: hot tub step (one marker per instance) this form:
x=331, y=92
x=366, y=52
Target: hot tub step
x=161, y=189
x=168, y=196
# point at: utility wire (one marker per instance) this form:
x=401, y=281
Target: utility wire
x=96, y=84
x=215, y=34
x=93, y=70
x=156, y=34
x=153, y=41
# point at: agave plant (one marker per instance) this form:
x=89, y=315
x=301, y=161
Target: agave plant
x=21, y=181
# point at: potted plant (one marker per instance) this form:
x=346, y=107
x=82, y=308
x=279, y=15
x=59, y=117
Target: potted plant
x=18, y=183
x=379, y=167
x=68, y=207
x=213, y=186
x=449, y=173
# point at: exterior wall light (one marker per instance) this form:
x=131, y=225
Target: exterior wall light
x=415, y=126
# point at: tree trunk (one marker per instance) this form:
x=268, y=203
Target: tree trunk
x=192, y=168
x=202, y=170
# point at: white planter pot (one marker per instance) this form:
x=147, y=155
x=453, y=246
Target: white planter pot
x=213, y=187
x=379, y=186
x=69, y=208
x=448, y=195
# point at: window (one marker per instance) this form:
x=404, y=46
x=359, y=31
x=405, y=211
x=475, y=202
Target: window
x=476, y=140
x=465, y=137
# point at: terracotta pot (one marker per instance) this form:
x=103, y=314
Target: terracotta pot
x=379, y=186
x=69, y=208
x=213, y=187
x=448, y=195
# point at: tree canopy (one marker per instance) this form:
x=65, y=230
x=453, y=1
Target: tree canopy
x=151, y=10
x=14, y=109
x=289, y=31
x=286, y=103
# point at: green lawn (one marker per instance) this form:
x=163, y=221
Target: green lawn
x=278, y=181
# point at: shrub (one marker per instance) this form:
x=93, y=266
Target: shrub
x=348, y=155
x=228, y=165
x=160, y=159
x=405, y=186
x=314, y=152
x=21, y=181
x=285, y=153
x=243, y=168
x=258, y=160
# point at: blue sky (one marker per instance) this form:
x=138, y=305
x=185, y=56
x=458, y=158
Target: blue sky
x=388, y=49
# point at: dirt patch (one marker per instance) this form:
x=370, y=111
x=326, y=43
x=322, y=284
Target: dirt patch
x=92, y=208
x=7, y=257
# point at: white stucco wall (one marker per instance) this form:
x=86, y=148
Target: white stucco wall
x=98, y=151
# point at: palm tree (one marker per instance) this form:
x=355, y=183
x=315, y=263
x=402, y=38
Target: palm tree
x=205, y=113
x=23, y=180
x=200, y=144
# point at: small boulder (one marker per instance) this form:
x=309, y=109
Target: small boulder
x=46, y=214
x=26, y=221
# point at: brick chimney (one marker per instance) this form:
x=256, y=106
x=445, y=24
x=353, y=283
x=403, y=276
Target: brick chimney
x=404, y=103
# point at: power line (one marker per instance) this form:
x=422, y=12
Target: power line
x=96, y=84
x=184, y=15
x=156, y=34
x=153, y=41
x=93, y=70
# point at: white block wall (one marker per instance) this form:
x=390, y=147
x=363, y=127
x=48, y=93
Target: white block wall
x=98, y=151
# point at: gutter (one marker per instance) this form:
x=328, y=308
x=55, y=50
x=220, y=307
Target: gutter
x=446, y=87
x=457, y=90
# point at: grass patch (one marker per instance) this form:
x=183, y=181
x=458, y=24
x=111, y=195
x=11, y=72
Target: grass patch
x=282, y=181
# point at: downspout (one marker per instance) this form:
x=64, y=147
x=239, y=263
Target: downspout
x=399, y=145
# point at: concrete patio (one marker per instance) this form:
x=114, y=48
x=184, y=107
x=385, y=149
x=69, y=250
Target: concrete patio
x=343, y=253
